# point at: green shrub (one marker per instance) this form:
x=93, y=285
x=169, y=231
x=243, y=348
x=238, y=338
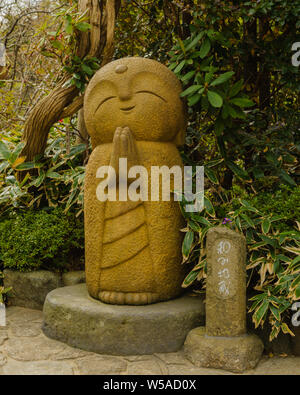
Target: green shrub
x=269, y=223
x=45, y=239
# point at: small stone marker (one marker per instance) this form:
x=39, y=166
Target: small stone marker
x=224, y=342
x=226, y=283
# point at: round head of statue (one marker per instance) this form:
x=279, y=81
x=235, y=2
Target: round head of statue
x=138, y=93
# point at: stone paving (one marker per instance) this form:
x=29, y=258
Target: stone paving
x=25, y=350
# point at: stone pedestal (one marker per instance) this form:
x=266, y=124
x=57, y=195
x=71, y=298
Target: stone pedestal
x=235, y=354
x=73, y=317
x=224, y=342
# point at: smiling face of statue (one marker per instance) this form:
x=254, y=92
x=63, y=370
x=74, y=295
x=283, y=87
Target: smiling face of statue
x=138, y=93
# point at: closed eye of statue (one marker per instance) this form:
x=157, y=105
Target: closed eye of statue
x=154, y=94
x=104, y=101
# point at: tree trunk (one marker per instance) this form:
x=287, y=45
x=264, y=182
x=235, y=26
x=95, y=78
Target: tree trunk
x=264, y=73
x=65, y=101
x=250, y=39
x=83, y=134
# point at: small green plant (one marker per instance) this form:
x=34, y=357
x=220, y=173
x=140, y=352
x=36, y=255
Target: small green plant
x=3, y=291
x=45, y=239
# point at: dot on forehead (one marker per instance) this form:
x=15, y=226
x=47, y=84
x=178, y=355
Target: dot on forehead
x=121, y=69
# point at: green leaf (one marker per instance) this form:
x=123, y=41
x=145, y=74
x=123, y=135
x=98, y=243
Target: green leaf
x=83, y=26
x=249, y=207
x=57, y=44
x=190, y=278
x=188, y=76
x=265, y=226
x=296, y=282
x=194, y=99
x=248, y=220
x=242, y=102
x=53, y=174
x=78, y=149
x=260, y=313
x=258, y=173
x=187, y=243
x=211, y=175
x=215, y=99
x=237, y=170
x=4, y=151
x=275, y=312
x=202, y=220
x=222, y=78
x=26, y=166
x=286, y=178
x=195, y=41
x=69, y=27
x=235, y=89
x=179, y=67
x=209, y=207
x=232, y=112
x=193, y=226
x=205, y=48
x=39, y=180
x=294, y=262
x=190, y=90
x=219, y=126
x=87, y=69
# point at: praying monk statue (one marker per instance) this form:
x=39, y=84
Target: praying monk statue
x=133, y=110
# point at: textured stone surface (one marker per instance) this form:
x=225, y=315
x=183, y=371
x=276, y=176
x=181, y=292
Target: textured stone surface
x=3, y=335
x=226, y=283
x=133, y=249
x=73, y=278
x=69, y=360
x=37, y=368
x=27, y=329
x=19, y=315
x=70, y=315
x=235, y=354
x=276, y=366
x=32, y=349
x=148, y=367
x=98, y=365
x=3, y=359
x=30, y=289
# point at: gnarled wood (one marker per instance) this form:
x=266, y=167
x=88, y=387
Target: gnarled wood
x=63, y=100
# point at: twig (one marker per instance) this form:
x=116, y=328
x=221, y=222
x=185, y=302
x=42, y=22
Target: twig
x=23, y=15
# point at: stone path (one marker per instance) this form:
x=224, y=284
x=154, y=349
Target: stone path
x=24, y=349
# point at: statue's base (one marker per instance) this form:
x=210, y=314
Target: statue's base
x=235, y=354
x=73, y=317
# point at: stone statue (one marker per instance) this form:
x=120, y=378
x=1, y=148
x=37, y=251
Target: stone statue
x=133, y=110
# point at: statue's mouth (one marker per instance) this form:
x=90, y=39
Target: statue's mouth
x=127, y=109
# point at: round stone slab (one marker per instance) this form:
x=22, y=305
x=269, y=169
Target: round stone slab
x=73, y=317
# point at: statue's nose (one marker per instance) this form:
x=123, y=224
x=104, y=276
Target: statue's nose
x=125, y=93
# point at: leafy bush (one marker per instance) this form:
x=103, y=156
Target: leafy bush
x=51, y=181
x=269, y=223
x=44, y=239
x=247, y=138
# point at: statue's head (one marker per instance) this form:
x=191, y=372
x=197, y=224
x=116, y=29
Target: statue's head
x=139, y=93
